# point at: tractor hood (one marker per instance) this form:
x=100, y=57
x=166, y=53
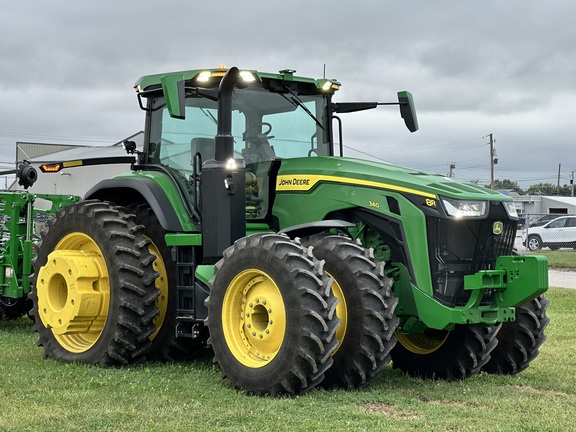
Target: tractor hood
x=303, y=174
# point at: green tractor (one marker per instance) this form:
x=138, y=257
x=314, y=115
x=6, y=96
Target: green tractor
x=243, y=227
x=20, y=218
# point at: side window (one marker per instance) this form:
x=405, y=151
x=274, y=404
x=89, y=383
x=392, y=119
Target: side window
x=181, y=139
x=296, y=134
x=179, y=136
x=558, y=223
x=571, y=222
x=291, y=137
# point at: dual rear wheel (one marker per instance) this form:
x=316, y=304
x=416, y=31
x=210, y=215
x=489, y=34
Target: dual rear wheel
x=94, y=295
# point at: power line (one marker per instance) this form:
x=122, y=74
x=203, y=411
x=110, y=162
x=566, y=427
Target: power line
x=20, y=135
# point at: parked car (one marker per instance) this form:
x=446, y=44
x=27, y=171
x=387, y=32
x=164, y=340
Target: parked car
x=546, y=218
x=555, y=234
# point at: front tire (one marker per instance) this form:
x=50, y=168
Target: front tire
x=534, y=243
x=449, y=355
x=519, y=341
x=93, y=287
x=366, y=309
x=271, y=316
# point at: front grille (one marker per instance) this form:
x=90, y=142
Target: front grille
x=462, y=247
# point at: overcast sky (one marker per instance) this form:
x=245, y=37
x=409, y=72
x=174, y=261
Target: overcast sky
x=501, y=67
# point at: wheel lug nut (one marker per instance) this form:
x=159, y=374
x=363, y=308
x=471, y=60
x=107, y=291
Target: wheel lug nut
x=267, y=331
x=253, y=333
x=261, y=335
x=250, y=304
x=257, y=300
x=249, y=325
x=263, y=302
x=269, y=310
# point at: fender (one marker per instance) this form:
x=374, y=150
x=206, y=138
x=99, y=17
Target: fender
x=125, y=191
x=304, y=230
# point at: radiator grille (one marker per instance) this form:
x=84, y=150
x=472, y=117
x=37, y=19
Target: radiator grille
x=462, y=247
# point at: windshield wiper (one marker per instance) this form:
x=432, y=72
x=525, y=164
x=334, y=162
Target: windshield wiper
x=297, y=102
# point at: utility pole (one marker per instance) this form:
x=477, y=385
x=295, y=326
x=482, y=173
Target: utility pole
x=493, y=161
x=451, y=172
x=572, y=182
x=558, y=185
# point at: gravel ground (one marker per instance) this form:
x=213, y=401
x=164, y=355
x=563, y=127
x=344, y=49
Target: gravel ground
x=562, y=278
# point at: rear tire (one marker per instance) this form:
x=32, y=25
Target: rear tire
x=93, y=287
x=448, y=355
x=366, y=309
x=165, y=345
x=271, y=316
x=519, y=341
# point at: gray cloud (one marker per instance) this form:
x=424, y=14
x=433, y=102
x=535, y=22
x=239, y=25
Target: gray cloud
x=474, y=68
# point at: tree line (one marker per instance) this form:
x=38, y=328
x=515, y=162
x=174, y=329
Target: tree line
x=547, y=189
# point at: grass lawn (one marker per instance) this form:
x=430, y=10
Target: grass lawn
x=39, y=394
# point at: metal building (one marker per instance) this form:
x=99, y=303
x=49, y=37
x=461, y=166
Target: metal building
x=75, y=180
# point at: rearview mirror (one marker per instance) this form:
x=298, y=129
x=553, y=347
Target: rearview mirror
x=408, y=110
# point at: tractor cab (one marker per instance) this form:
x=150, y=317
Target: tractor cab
x=272, y=117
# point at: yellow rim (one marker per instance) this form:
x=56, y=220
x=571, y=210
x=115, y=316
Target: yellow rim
x=253, y=318
x=420, y=344
x=74, y=292
x=162, y=286
x=341, y=312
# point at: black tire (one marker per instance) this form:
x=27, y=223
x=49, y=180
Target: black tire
x=165, y=345
x=534, y=243
x=271, y=316
x=93, y=287
x=366, y=309
x=449, y=355
x=14, y=308
x=519, y=341
x=554, y=247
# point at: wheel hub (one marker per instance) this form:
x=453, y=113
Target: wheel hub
x=256, y=335
x=70, y=298
x=162, y=285
x=421, y=344
x=341, y=312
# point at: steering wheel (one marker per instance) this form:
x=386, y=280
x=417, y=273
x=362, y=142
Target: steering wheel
x=264, y=126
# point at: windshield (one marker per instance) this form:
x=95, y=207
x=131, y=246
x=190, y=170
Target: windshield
x=265, y=126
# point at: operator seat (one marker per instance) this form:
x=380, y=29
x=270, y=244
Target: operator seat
x=259, y=156
x=258, y=149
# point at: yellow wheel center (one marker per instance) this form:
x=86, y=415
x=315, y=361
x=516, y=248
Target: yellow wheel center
x=421, y=344
x=253, y=318
x=73, y=292
x=162, y=285
x=341, y=312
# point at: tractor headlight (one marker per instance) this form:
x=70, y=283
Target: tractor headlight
x=511, y=209
x=465, y=208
